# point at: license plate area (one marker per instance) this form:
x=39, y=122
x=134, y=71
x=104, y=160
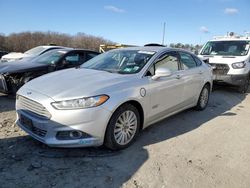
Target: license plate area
x=26, y=122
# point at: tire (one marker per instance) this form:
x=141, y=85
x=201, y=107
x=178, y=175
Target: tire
x=120, y=133
x=15, y=86
x=244, y=87
x=203, y=98
x=13, y=89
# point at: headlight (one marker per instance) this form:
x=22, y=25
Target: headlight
x=239, y=65
x=80, y=103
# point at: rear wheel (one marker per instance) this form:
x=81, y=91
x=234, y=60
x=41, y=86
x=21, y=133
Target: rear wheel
x=123, y=127
x=203, y=98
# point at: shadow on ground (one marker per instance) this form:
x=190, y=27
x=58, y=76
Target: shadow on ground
x=25, y=162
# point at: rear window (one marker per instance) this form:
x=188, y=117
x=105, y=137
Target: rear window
x=35, y=51
x=91, y=55
x=198, y=61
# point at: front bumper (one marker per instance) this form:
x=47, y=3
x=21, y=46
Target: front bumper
x=235, y=80
x=92, y=122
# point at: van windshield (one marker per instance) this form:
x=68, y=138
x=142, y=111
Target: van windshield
x=226, y=48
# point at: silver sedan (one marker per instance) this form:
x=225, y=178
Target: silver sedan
x=112, y=97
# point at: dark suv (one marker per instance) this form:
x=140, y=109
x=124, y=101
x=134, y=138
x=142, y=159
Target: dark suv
x=15, y=74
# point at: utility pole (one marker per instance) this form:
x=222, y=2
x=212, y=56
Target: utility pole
x=163, y=36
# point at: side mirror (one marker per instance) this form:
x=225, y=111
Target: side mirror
x=52, y=67
x=161, y=72
x=65, y=62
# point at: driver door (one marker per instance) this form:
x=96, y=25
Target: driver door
x=166, y=93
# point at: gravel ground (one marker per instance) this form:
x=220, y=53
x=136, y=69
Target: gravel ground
x=192, y=149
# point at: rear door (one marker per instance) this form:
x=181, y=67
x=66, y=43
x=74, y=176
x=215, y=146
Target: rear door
x=192, y=76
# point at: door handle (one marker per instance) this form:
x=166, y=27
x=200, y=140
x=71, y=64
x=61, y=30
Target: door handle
x=200, y=72
x=178, y=76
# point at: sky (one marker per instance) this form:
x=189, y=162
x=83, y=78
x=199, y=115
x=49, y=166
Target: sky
x=134, y=22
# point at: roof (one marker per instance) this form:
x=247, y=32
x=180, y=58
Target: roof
x=72, y=49
x=50, y=46
x=231, y=39
x=154, y=49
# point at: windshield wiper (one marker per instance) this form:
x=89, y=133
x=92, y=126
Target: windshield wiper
x=208, y=55
x=106, y=70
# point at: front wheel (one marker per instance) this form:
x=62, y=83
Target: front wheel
x=203, y=98
x=244, y=87
x=123, y=127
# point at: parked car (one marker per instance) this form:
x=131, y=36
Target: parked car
x=2, y=53
x=110, y=98
x=14, y=74
x=34, y=52
x=230, y=58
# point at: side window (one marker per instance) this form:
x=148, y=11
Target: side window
x=72, y=58
x=187, y=60
x=90, y=55
x=168, y=60
x=198, y=61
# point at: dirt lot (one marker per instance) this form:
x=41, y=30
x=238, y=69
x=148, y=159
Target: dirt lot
x=191, y=149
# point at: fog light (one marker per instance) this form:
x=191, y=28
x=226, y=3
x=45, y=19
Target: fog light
x=75, y=134
x=71, y=135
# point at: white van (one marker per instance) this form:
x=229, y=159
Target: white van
x=230, y=58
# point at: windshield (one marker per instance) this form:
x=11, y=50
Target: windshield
x=120, y=61
x=50, y=57
x=35, y=51
x=226, y=48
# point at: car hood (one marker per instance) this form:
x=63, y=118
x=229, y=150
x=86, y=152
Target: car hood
x=76, y=83
x=19, y=66
x=14, y=55
x=223, y=59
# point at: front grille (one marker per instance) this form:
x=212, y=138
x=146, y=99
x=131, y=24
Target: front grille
x=220, y=69
x=35, y=130
x=38, y=131
x=3, y=85
x=33, y=107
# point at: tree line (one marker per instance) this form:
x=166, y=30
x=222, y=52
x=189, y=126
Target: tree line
x=20, y=42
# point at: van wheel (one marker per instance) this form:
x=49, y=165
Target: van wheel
x=123, y=127
x=203, y=98
x=244, y=87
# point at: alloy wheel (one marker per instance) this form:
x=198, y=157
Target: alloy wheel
x=204, y=97
x=125, y=127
